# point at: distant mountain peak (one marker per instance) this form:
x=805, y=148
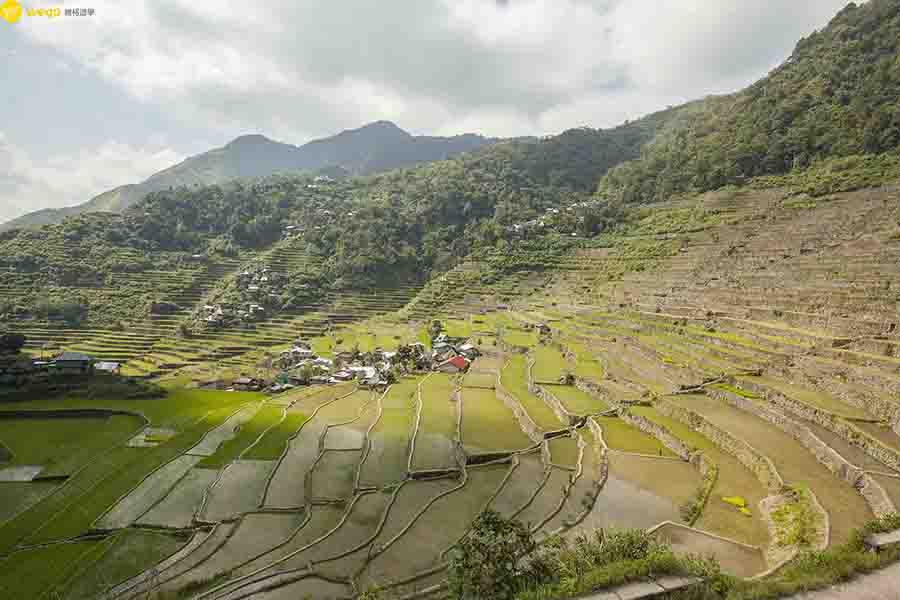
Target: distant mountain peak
x=372, y=148
x=250, y=139
x=383, y=125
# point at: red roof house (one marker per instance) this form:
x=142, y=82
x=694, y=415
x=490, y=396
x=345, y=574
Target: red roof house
x=457, y=364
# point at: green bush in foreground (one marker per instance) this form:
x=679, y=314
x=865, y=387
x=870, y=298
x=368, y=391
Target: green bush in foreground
x=499, y=560
x=487, y=561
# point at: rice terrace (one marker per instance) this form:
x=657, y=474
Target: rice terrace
x=658, y=360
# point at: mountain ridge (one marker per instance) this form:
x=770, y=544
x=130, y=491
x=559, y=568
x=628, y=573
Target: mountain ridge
x=372, y=148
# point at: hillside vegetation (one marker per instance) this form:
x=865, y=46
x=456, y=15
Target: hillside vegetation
x=835, y=96
x=370, y=149
x=692, y=373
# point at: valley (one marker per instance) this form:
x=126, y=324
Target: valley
x=693, y=360
x=659, y=358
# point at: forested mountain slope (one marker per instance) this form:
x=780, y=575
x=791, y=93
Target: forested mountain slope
x=833, y=100
x=837, y=95
x=372, y=148
x=363, y=231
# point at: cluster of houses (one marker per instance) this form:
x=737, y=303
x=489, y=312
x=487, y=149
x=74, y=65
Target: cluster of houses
x=65, y=364
x=319, y=181
x=301, y=366
x=550, y=218
x=259, y=289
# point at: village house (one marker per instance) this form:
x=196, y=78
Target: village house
x=113, y=368
x=344, y=357
x=373, y=382
x=363, y=373
x=247, y=384
x=469, y=351
x=457, y=364
x=72, y=363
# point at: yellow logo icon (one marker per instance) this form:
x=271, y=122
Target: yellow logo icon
x=11, y=10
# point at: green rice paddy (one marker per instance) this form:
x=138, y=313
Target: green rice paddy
x=514, y=379
x=549, y=364
x=621, y=436
x=488, y=425
x=576, y=401
x=274, y=441
x=437, y=433
x=62, y=446
x=265, y=419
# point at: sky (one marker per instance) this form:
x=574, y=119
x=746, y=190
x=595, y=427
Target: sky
x=92, y=102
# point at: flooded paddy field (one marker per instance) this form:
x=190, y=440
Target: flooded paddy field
x=846, y=508
x=488, y=425
x=435, y=440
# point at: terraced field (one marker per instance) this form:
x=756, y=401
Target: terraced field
x=154, y=345
x=722, y=371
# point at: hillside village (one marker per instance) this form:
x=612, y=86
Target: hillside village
x=655, y=360
x=297, y=366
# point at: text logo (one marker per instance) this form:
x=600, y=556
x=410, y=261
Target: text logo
x=11, y=10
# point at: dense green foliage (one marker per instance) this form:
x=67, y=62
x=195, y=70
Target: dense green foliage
x=826, y=120
x=372, y=148
x=362, y=232
x=837, y=95
x=486, y=563
x=11, y=342
x=499, y=559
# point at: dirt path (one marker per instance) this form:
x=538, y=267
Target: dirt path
x=883, y=585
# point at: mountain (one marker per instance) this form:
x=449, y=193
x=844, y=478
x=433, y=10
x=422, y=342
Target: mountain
x=837, y=95
x=825, y=120
x=373, y=148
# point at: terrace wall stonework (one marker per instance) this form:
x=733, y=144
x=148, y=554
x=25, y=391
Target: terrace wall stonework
x=871, y=490
x=842, y=427
x=549, y=399
x=592, y=389
x=879, y=403
x=602, y=450
x=662, y=434
x=759, y=464
x=528, y=426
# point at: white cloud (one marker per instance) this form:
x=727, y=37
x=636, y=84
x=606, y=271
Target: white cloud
x=29, y=183
x=431, y=65
x=298, y=69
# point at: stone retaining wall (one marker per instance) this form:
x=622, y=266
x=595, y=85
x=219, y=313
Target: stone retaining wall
x=603, y=450
x=547, y=398
x=661, y=433
x=842, y=427
x=534, y=433
x=592, y=389
x=871, y=490
x=880, y=404
x=759, y=464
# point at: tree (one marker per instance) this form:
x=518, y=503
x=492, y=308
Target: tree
x=304, y=374
x=487, y=562
x=435, y=329
x=11, y=342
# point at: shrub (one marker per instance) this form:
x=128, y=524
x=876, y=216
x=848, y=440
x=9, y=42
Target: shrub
x=11, y=342
x=487, y=561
